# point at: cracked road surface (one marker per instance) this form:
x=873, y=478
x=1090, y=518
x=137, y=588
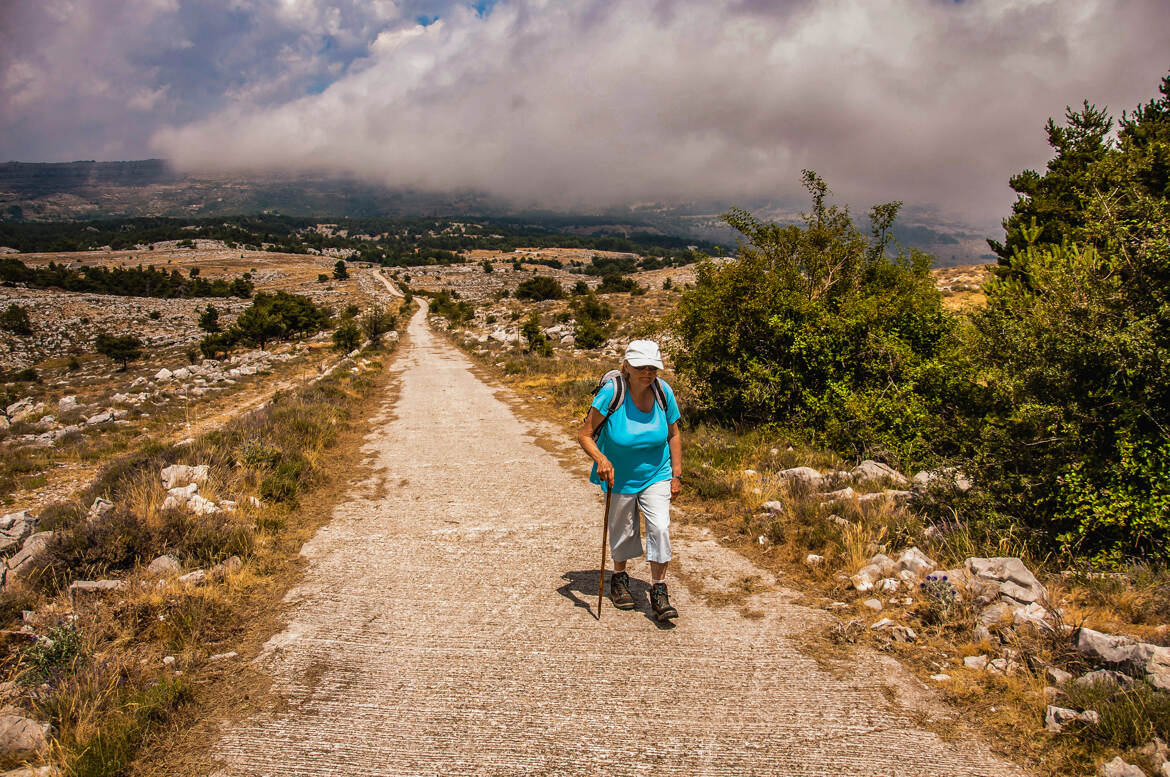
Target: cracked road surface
x=445, y=626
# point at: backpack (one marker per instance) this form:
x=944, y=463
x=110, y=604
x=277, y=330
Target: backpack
x=619, y=394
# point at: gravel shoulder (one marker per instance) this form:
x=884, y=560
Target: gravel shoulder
x=446, y=624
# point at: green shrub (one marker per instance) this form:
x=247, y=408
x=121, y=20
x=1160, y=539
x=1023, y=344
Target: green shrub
x=15, y=320
x=119, y=348
x=816, y=328
x=1078, y=362
x=209, y=319
x=540, y=287
x=52, y=655
x=590, y=334
x=538, y=342
x=454, y=310
x=614, y=283
x=218, y=344
x=347, y=336
x=285, y=482
x=1074, y=343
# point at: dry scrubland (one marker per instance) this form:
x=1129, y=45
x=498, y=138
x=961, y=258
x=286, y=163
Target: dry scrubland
x=999, y=662
x=127, y=667
x=155, y=514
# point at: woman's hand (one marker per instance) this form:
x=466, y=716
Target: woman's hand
x=675, y=486
x=605, y=470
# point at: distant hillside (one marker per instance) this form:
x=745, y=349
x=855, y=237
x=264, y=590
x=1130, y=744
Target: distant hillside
x=72, y=191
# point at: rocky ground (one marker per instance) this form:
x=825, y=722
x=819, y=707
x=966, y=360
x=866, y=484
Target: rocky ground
x=56, y=431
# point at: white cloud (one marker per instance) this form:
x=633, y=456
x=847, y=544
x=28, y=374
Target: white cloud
x=612, y=100
x=936, y=102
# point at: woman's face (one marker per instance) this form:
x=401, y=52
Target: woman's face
x=642, y=377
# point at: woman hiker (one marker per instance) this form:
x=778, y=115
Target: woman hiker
x=638, y=456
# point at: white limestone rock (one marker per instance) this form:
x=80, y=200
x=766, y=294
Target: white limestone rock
x=201, y=505
x=840, y=495
x=806, y=475
x=870, y=471
x=1104, y=677
x=99, y=508
x=198, y=577
x=914, y=560
x=164, y=566
x=1120, y=768
x=27, y=559
x=183, y=474
x=976, y=662
x=22, y=738
x=1006, y=577
x=82, y=592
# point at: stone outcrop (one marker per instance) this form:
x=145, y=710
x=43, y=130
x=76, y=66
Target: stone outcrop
x=15, y=528
x=182, y=474
x=22, y=738
x=1139, y=659
x=26, y=560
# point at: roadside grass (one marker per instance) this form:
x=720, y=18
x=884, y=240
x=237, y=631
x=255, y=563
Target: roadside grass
x=731, y=473
x=96, y=671
x=25, y=468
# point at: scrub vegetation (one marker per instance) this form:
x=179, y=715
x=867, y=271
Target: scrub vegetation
x=820, y=345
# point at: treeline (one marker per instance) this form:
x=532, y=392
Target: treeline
x=392, y=242
x=122, y=281
x=1054, y=397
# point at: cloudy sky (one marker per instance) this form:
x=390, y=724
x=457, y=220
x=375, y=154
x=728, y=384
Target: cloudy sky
x=572, y=103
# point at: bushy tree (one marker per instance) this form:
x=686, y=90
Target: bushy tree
x=347, y=336
x=818, y=329
x=339, y=271
x=537, y=340
x=592, y=316
x=218, y=344
x=1055, y=200
x=614, y=283
x=278, y=316
x=1074, y=346
x=377, y=321
x=120, y=348
x=540, y=287
x=209, y=319
x=15, y=319
x=454, y=310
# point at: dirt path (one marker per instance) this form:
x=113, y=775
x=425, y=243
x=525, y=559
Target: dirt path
x=445, y=627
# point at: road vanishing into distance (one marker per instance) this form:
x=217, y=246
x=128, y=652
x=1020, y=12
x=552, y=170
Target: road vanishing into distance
x=446, y=625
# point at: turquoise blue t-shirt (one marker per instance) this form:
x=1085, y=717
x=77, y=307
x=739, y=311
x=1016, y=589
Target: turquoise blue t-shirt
x=635, y=442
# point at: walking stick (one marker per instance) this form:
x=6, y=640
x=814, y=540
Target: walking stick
x=604, y=542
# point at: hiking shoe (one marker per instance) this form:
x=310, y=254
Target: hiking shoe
x=619, y=591
x=660, y=603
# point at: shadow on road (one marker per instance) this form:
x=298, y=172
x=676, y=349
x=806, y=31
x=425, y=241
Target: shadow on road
x=581, y=590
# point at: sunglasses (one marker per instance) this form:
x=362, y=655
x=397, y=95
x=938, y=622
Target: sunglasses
x=645, y=367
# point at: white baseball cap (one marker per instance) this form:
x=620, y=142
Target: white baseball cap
x=642, y=353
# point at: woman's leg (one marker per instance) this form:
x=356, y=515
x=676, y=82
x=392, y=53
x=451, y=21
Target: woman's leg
x=655, y=505
x=654, y=502
x=625, y=536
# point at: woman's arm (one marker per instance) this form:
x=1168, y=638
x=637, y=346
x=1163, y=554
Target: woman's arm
x=589, y=445
x=674, y=440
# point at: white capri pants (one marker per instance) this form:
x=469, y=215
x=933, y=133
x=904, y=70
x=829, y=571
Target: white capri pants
x=625, y=538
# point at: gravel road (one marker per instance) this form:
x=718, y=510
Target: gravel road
x=446, y=626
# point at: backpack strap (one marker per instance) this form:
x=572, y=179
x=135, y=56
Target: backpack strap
x=619, y=394
x=659, y=393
